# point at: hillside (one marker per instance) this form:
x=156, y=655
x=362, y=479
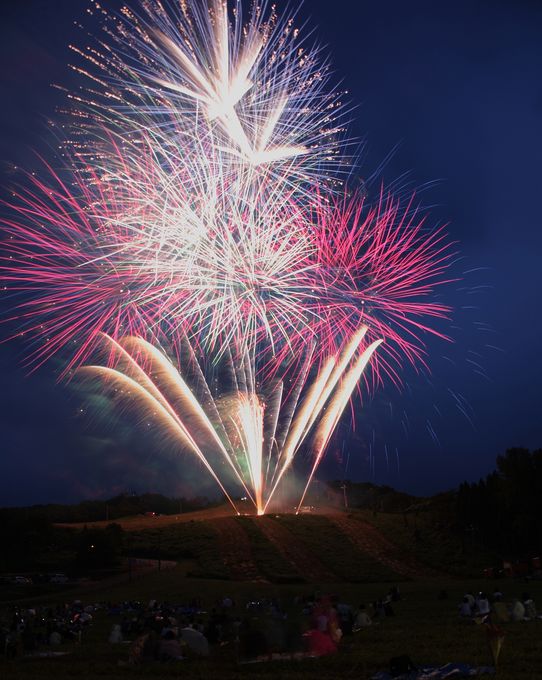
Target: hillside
x=325, y=546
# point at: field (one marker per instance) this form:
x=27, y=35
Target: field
x=356, y=556
x=425, y=627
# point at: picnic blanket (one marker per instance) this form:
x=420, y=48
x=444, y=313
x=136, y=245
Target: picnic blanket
x=450, y=671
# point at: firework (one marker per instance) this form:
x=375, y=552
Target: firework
x=201, y=207
x=257, y=450
x=248, y=87
x=143, y=252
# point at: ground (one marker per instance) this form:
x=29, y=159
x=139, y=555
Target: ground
x=249, y=550
x=425, y=627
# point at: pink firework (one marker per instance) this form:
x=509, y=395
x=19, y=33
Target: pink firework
x=380, y=265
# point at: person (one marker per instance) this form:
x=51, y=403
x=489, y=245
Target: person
x=470, y=598
x=465, y=608
x=518, y=610
x=501, y=611
x=169, y=648
x=362, y=619
x=380, y=612
x=346, y=619
x=395, y=594
x=142, y=648
x=334, y=628
x=388, y=609
x=55, y=638
x=115, y=636
x=253, y=642
x=530, y=607
x=322, y=621
x=319, y=643
x=497, y=595
x=482, y=605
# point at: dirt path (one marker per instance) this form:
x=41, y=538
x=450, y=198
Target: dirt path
x=235, y=551
x=292, y=550
x=368, y=539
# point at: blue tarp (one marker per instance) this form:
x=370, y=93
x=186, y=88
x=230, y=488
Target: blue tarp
x=448, y=672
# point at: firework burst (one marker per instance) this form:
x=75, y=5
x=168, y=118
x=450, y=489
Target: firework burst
x=201, y=203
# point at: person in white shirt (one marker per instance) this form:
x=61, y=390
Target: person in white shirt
x=518, y=611
x=362, y=619
x=482, y=605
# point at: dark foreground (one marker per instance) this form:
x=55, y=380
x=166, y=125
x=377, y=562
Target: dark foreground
x=425, y=626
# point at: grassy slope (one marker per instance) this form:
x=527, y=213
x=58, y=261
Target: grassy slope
x=429, y=542
x=192, y=540
x=419, y=536
x=335, y=550
x=268, y=559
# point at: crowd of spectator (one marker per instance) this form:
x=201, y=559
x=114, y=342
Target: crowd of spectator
x=497, y=608
x=27, y=630
x=312, y=624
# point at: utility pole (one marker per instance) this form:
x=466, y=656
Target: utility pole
x=343, y=487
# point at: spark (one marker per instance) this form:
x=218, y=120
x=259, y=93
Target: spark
x=202, y=207
x=142, y=375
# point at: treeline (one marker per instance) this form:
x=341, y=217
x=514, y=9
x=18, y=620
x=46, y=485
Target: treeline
x=124, y=505
x=367, y=496
x=503, y=512
x=34, y=544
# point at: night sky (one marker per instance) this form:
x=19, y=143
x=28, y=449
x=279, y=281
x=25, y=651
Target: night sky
x=452, y=90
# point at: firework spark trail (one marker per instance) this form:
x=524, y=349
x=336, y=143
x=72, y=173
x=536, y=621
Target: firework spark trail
x=143, y=373
x=294, y=435
x=156, y=407
x=255, y=84
x=336, y=407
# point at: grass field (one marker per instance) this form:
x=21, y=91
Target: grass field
x=426, y=628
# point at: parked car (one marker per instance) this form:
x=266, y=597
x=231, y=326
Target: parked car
x=58, y=578
x=21, y=580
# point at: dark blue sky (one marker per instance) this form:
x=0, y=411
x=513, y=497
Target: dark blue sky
x=455, y=88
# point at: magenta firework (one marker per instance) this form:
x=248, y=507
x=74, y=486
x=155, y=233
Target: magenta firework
x=202, y=203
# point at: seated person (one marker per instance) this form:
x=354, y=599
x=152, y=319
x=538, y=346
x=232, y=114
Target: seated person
x=362, y=619
x=482, y=605
x=530, y=607
x=465, y=608
x=169, y=648
x=518, y=611
x=501, y=611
